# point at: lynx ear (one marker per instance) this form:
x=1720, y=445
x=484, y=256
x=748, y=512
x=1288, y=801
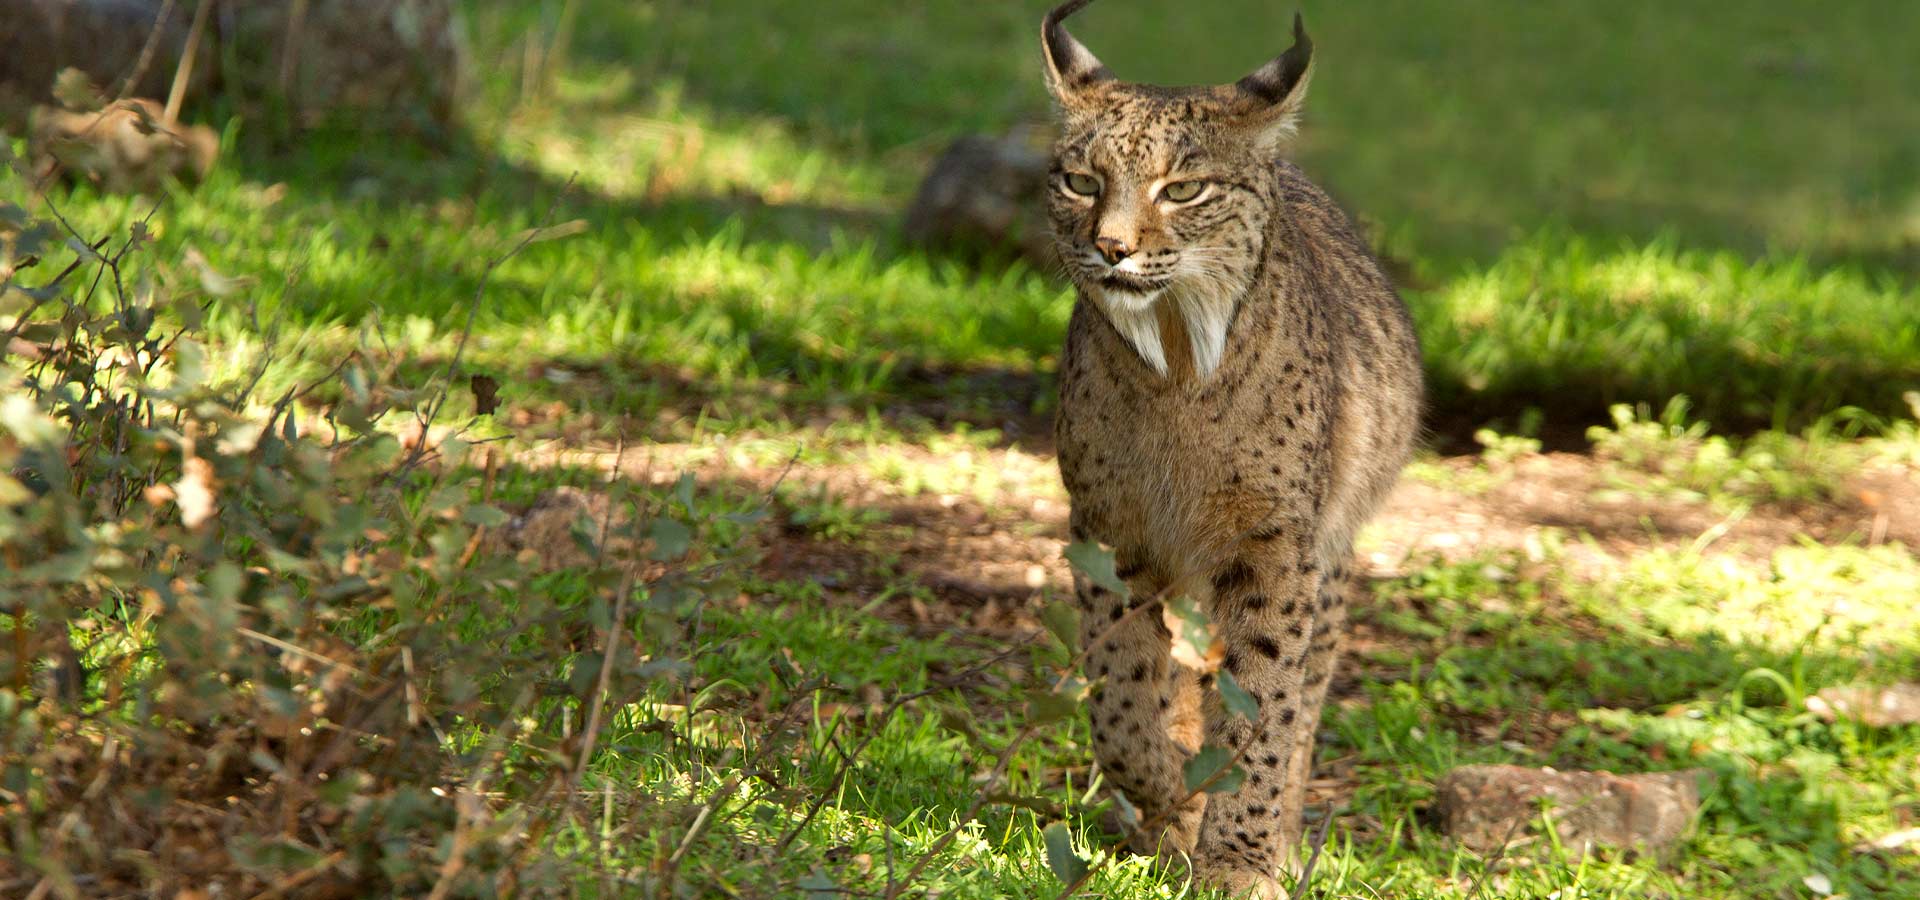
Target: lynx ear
x=1071, y=67
x=1270, y=99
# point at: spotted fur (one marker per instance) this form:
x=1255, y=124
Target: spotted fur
x=1239, y=390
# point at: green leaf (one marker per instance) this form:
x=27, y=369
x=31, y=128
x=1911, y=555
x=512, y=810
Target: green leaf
x=75, y=90
x=551, y=232
x=482, y=514
x=1129, y=815
x=1046, y=707
x=31, y=241
x=355, y=379
x=1063, y=621
x=1038, y=805
x=274, y=858
x=1064, y=700
x=1236, y=699
x=190, y=314
x=1067, y=865
x=1208, y=763
x=20, y=417
x=189, y=367
x=1096, y=562
x=819, y=887
x=683, y=491
x=12, y=492
x=670, y=539
x=585, y=534
x=959, y=720
x=86, y=253
x=212, y=280
x=585, y=674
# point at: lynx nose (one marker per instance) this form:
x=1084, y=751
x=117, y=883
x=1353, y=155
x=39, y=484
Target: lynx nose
x=1113, y=250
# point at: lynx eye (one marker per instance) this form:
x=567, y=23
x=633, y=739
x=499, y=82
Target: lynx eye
x=1182, y=191
x=1083, y=184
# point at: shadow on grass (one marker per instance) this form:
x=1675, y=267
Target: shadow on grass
x=792, y=359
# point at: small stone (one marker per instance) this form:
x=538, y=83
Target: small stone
x=544, y=533
x=1483, y=807
x=1906, y=839
x=984, y=196
x=1877, y=707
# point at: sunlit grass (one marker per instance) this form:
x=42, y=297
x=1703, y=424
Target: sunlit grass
x=1605, y=206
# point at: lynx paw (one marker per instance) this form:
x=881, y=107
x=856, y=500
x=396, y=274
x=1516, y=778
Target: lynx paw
x=1244, y=883
x=1172, y=845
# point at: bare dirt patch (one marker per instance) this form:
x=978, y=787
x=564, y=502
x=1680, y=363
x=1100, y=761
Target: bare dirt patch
x=1573, y=494
x=956, y=560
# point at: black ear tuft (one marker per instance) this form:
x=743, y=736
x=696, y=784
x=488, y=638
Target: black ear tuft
x=1269, y=100
x=1070, y=65
x=1275, y=81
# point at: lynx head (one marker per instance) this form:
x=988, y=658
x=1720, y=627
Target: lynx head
x=1165, y=192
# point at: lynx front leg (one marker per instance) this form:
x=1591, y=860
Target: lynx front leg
x=1264, y=606
x=1145, y=711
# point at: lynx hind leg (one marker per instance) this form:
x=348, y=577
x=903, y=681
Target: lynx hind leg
x=1323, y=654
x=1145, y=714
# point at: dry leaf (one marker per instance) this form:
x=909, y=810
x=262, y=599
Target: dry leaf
x=194, y=492
x=486, y=394
x=1196, y=643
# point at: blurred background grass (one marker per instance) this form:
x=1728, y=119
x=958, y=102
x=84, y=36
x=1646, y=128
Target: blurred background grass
x=1586, y=205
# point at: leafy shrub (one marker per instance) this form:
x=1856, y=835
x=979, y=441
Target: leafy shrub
x=246, y=646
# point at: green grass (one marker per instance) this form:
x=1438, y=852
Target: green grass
x=1592, y=207
x=1580, y=206
x=1670, y=456
x=1495, y=665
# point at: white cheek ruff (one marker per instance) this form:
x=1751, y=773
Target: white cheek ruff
x=1207, y=314
x=1132, y=315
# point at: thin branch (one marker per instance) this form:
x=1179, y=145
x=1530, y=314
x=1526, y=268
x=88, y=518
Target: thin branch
x=886, y=714
x=1305, y=882
x=700, y=821
x=281, y=887
x=184, y=72
x=290, y=46
x=146, y=53
x=1486, y=869
x=439, y=400
x=609, y=648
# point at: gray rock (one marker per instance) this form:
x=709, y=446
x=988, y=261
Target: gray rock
x=1484, y=807
x=543, y=535
x=983, y=196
